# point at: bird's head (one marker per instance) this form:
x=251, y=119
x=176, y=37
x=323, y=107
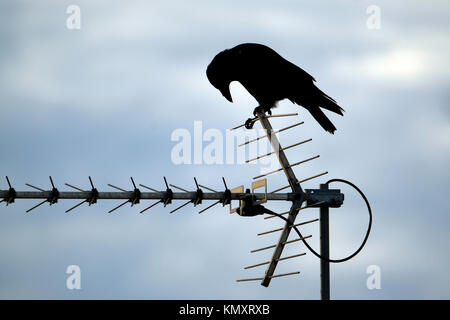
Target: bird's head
x=218, y=73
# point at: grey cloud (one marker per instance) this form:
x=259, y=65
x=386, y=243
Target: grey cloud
x=104, y=100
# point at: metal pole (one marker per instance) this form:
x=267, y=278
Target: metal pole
x=324, y=249
x=296, y=189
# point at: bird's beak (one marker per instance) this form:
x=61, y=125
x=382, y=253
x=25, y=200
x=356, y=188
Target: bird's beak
x=226, y=93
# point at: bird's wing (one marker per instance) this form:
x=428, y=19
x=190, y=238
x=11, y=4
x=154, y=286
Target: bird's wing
x=297, y=72
x=259, y=60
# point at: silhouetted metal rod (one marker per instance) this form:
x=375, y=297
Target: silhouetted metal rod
x=120, y=205
x=280, y=259
x=178, y=188
x=286, y=242
x=149, y=207
x=301, y=181
x=275, y=143
x=76, y=206
x=332, y=198
x=324, y=250
x=204, y=187
x=272, y=116
x=282, y=115
x=285, y=148
x=123, y=190
x=144, y=186
x=290, y=166
x=144, y=195
x=183, y=205
x=36, y=206
x=76, y=188
x=275, y=132
x=209, y=207
x=271, y=277
x=281, y=214
x=316, y=205
x=296, y=188
x=30, y=185
x=298, y=224
x=9, y=183
x=253, y=140
x=289, y=127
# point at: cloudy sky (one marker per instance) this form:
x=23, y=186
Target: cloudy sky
x=105, y=100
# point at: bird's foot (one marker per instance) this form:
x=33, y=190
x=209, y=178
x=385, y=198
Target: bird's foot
x=257, y=110
x=261, y=109
x=249, y=123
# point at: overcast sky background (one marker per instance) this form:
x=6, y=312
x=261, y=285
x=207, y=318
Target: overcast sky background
x=105, y=99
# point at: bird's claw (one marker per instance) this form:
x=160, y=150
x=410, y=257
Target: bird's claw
x=249, y=123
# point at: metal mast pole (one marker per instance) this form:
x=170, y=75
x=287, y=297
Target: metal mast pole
x=324, y=249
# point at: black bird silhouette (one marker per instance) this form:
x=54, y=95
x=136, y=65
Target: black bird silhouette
x=269, y=78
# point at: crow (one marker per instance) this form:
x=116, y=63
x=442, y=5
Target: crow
x=269, y=78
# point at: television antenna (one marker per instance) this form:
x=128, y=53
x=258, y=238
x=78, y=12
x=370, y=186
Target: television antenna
x=250, y=202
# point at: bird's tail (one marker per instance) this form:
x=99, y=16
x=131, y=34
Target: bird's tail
x=322, y=119
x=323, y=100
x=317, y=100
x=327, y=102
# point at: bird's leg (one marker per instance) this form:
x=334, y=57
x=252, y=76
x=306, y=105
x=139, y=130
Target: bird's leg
x=259, y=109
x=262, y=109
